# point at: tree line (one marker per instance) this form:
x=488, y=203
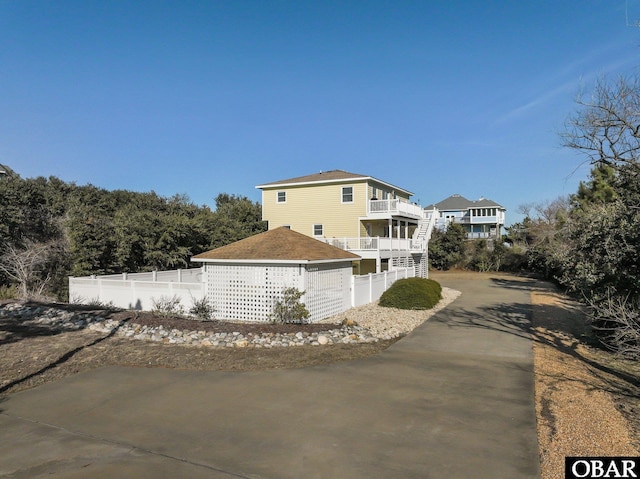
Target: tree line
x=51, y=229
x=589, y=241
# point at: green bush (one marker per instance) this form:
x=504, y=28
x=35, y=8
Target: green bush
x=290, y=309
x=412, y=293
x=202, y=309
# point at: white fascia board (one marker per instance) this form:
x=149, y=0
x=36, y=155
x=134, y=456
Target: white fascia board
x=393, y=187
x=273, y=261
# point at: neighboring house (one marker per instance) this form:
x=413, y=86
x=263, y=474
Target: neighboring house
x=482, y=218
x=6, y=172
x=358, y=213
x=245, y=278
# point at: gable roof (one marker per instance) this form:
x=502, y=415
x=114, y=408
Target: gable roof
x=457, y=202
x=332, y=176
x=280, y=245
x=6, y=172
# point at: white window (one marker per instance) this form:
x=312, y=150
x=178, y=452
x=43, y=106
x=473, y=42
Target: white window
x=282, y=197
x=347, y=194
x=318, y=230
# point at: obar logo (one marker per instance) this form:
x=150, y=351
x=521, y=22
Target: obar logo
x=601, y=467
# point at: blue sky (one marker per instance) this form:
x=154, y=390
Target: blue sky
x=206, y=97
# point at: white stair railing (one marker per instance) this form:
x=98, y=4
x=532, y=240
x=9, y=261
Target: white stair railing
x=423, y=233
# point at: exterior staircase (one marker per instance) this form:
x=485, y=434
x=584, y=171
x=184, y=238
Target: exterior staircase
x=421, y=237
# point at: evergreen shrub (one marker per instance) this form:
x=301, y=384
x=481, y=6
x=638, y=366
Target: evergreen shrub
x=412, y=293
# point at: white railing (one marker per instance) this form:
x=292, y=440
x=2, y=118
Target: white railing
x=480, y=235
x=369, y=288
x=476, y=219
x=192, y=275
x=396, y=207
x=375, y=244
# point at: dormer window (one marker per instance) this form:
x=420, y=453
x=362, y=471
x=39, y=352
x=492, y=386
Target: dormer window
x=347, y=194
x=282, y=197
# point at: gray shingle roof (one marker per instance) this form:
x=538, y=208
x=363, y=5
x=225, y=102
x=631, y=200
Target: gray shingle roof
x=329, y=177
x=458, y=202
x=332, y=175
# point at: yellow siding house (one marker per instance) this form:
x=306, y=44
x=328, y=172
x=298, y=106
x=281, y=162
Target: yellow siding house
x=358, y=213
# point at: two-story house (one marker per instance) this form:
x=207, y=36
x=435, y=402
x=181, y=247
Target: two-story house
x=358, y=213
x=482, y=218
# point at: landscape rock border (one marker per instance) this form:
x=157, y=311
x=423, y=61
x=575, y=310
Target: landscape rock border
x=365, y=324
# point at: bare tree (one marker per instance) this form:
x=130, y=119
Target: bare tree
x=607, y=126
x=618, y=321
x=603, y=261
x=27, y=266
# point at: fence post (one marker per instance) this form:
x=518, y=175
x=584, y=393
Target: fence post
x=154, y=276
x=370, y=287
x=179, y=275
x=353, y=291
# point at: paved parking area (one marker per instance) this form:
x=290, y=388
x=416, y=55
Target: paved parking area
x=452, y=400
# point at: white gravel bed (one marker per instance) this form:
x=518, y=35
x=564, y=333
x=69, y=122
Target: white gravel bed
x=364, y=324
x=387, y=323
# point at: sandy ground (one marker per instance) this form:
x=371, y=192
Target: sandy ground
x=587, y=400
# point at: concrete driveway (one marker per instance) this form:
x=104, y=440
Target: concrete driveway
x=454, y=399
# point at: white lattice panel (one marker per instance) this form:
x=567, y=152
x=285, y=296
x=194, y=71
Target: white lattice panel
x=327, y=291
x=248, y=292
x=402, y=262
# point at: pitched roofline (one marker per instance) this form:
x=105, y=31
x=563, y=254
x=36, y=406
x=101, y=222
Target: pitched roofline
x=272, y=261
x=466, y=204
x=279, y=245
x=284, y=183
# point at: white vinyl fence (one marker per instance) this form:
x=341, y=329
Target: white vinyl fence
x=369, y=288
x=139, y=291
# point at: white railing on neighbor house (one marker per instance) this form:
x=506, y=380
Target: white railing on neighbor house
x=140, y=293
x=476, y=219
x=485, y=235
x=367, y=289
x=396, y=207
